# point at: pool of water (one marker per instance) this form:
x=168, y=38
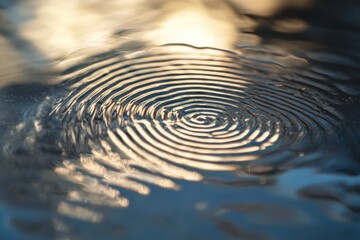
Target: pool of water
x=196, y=119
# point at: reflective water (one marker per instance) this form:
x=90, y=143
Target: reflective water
x=179, y=119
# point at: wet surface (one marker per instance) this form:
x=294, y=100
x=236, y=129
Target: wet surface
x=197, y=119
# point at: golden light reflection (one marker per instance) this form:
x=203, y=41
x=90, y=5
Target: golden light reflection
x=290, y=25
x=78, y=212
x=58, y=28
x=93, y=189
x=74, y=30
x=196, y=24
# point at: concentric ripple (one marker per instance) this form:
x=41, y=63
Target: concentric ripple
x=176, y=110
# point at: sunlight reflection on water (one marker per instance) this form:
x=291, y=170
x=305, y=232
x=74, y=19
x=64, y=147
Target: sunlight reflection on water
x=199, y=118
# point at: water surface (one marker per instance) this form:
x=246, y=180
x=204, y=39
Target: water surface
x=179, y=119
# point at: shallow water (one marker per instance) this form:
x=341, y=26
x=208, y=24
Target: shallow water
x=179, y=119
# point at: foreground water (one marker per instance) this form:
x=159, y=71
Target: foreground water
x=179, y=119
